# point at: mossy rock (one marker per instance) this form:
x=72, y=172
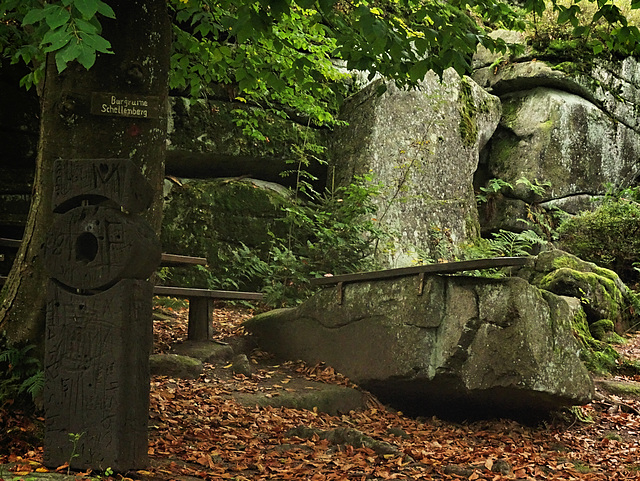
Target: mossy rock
x=601, y=292
x=601, y=329
x=619, y=388
x=175, y=366
x=218, y=219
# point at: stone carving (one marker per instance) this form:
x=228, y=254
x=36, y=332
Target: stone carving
x=98, y=332
x=97, y=180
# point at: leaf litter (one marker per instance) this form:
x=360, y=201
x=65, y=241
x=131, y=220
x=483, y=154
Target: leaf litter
x=198, y=430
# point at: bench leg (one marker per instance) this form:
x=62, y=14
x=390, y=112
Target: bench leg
x=200, y=319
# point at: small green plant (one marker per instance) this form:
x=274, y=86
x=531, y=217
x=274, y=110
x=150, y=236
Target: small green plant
x=514, y=244
x=74, y=439
x=580, y=415
x=22, y=377
x=536, y=187
x=493, y=187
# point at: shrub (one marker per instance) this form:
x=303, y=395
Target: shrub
x=332, y=233
x=607, y=236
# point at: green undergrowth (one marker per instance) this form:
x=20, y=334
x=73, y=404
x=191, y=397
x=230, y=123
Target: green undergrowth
x=21, y=374
x=609, y=236
x=271, y=243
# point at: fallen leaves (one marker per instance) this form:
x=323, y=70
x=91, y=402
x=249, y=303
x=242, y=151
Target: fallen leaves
x=198, y=430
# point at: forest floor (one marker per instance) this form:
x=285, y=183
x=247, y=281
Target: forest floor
x=200, y=430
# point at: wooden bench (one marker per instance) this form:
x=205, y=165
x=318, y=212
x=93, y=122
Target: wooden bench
x=201, y=305
x=201, y=301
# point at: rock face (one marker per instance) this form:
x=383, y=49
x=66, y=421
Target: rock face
x=570, y=122
x=205, y=142
x=423, y=145
x=466, y=346
x=561, y=138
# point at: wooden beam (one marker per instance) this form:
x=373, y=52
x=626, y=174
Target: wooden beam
x=214, y=294
x=444, y=268
x=15, y=243
x=175, y=260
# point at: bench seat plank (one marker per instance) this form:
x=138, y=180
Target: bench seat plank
x=443, y=268
x=190, y=292
x=175, y=260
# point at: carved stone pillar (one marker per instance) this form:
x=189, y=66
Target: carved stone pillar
x=99, y=254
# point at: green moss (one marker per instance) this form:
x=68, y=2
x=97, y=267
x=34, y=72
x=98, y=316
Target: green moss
x=567, y=261
x=566, y=67
x=588, y=287
x=510, y=112
x=468, y=111
x=598, y=357
x=600, y=329
x=623, y=388
x=607, y=273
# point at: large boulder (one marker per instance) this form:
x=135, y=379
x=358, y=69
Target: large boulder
x=563, y=139
x=567, y=120
x=467, y=345
x=221, y=219
x=423, y=145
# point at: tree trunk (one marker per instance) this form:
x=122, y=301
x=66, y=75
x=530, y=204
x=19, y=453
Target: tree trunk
x=70, y=128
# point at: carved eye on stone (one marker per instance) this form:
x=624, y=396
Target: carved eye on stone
x=86, y=247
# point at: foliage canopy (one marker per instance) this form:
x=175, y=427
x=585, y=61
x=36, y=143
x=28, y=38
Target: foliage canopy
x=401, y=39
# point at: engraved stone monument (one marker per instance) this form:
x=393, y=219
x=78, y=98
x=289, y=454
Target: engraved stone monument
x=99, y=254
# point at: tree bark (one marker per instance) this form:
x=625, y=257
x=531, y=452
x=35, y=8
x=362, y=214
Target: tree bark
x=140, y=39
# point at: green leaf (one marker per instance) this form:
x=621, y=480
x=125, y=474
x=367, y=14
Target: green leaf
x=56, y=39
x=33, y=16
x=67, y=54
x=418, y=71
x=85, y=26
x=87, y=56
x=56, y=16
x=105, y=10
x=97, y=43
x=597, y=47
x=87, y=8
